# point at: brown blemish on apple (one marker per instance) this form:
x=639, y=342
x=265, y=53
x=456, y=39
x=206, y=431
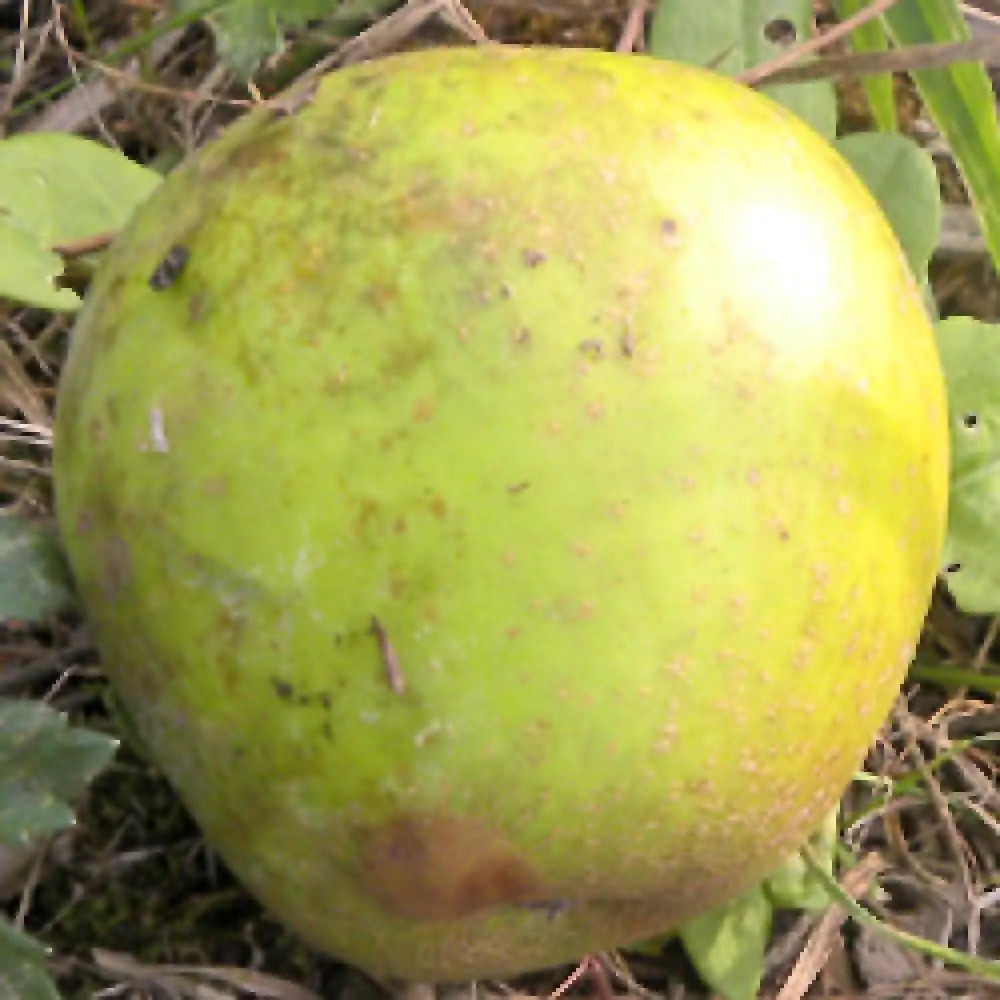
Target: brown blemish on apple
x=116, y=571
x=98, y=431
x=380, y=295
x=423, y=410
x=406, y=356
x=367, y=513
x=438, y=507
x=198, y=307
x=215, y=486
x=669, y=232
x=443, y=867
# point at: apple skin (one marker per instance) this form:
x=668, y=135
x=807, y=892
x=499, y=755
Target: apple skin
x=509, y=515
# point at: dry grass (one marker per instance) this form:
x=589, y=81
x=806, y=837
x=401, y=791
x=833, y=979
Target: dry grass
x=132, y=901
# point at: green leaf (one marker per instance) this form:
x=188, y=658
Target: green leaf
x=794, y=885
x=970, y=352
x=28, y=271
x=732, y=35
x=15, y=944
x=903, y=179
x=961, y=102
x=247, y=31
x=872, y=37
x=44, y=763
x=727, y=944
x=56, y=188
x=22, y=966
x=26, y=981
x=34, y=580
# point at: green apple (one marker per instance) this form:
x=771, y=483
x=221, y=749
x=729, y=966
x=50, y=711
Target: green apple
x=506, y=491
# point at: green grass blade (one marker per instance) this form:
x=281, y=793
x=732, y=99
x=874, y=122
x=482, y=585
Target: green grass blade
x=960, y=99
x=871, y=37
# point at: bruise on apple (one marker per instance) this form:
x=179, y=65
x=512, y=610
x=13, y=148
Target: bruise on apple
x=443, y=867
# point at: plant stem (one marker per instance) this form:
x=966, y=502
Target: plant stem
x=984, y=967
x=955, y=677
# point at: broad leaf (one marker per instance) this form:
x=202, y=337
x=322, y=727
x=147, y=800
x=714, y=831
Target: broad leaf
x=28, y=272
x=871, y=37
x=727, y=944
x=961, y=102
x=903, y=179
x=795, y=885
x=34, y=580
x=733, y=35
x=247, y=31
x=22, y=966
x=15, y=944
x=970, y=352
x=44, y=764
x=54, y=189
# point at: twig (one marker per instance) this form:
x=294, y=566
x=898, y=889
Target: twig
x=24, y=67
x=584, y=968
x=453, y=12
x=983, y=902
x=390, y=660
x=16, y=465
x=130, y=80
x=938, y=800
x=71, y=60
x=22, y=42
x=382, y=36
x=85, y=245
x=259, y=984
x=400, y=24
x=933, y=55
x=631, y=39
x=30, y=885
x=977, y=14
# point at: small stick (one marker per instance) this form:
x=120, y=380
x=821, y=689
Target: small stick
x=85, y=245
x=580, y=970
x=930, y=55
x=631, y=39
x=390, y=661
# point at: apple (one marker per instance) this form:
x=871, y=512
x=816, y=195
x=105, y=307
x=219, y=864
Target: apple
x=506, y=490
